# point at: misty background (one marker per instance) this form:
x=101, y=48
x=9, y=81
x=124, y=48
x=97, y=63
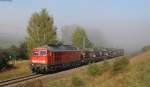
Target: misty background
x=108, y=23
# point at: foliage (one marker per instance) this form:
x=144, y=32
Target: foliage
x=23, y=50
x=4, y=58
x=120, y=64
x=139, y=77
x=146, y=48
x=105, y=66
x=76, y=81
x=94, y=70
x=8, y=54
x=40, y=30
x=80, y=39
x=18, y=52
x=14, y=51
x=21, y=68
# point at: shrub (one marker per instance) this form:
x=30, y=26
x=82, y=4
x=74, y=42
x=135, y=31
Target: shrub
x=146, y=48
x=76, y=81
x=93, y=70
x=120, y=64
x=4, y=58
x=105, y=66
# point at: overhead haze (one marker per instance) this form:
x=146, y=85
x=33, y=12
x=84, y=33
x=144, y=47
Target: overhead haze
x=109, y=23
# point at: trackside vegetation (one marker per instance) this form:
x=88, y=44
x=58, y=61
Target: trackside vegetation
x=40, y=30
x=76, y=81
x=135, y=74
x=11, y=54
x=20, y=68
x=94, y=70
x=106, y=66
x=80, y=38
x=120, y=64
x=33, y=83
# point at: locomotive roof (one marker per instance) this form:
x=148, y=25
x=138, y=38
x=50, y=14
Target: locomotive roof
x=59, y=47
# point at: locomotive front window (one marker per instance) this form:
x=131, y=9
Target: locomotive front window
x=35, y=53
x=43, y=53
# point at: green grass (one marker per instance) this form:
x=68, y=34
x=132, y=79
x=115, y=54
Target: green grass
x=21, y=68
x=94, y=70
x=76, y=81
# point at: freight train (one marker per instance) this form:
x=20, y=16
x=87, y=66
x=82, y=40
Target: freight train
x=52, y=58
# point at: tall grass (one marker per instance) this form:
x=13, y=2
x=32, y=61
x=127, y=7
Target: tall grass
x=106, y=66
x=139, y=76
x=120, y=64
x=136, y=74
x=21, y=68
x=76, y=81
x=94, y=70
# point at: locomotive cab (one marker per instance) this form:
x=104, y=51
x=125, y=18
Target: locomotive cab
x=39, y=59
x=39, y=56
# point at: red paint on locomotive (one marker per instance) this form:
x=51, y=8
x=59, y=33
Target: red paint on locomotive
x=51, y=57
x=39, y=56
x=45, y=56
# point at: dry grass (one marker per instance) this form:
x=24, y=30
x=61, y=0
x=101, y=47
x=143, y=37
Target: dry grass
x=21, y=68
x=32, y=83
x=128, y=78
x=140, y=58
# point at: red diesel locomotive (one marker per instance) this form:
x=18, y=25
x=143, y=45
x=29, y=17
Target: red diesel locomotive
x=51, y=58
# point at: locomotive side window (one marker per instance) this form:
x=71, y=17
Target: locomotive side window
x=35, y=53
x=43, y=53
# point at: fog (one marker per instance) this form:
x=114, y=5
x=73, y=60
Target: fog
x=126, y=33
x=130, y=35
x=108, y=23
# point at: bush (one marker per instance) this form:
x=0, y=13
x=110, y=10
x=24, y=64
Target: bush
x=93, y=70
x=4, y=58
x=76, y=81
x=146, y=48
x=120, y=64
x=105, y=66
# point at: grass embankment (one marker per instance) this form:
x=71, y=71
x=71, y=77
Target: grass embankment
x=21, y=68
x=137, y=74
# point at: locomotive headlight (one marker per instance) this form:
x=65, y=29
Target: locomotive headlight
x=34, y=61
x=43, y=61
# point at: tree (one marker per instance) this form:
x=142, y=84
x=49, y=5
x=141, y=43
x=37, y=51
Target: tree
x=40, y=30
x=4, y=58
x=23, y=50
x=14, y=52
x=80, y=39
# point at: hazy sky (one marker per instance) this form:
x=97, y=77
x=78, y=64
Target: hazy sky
x=117, y=23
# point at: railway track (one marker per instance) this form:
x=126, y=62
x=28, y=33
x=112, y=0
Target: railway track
x=18, y=79
x=9, y=82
